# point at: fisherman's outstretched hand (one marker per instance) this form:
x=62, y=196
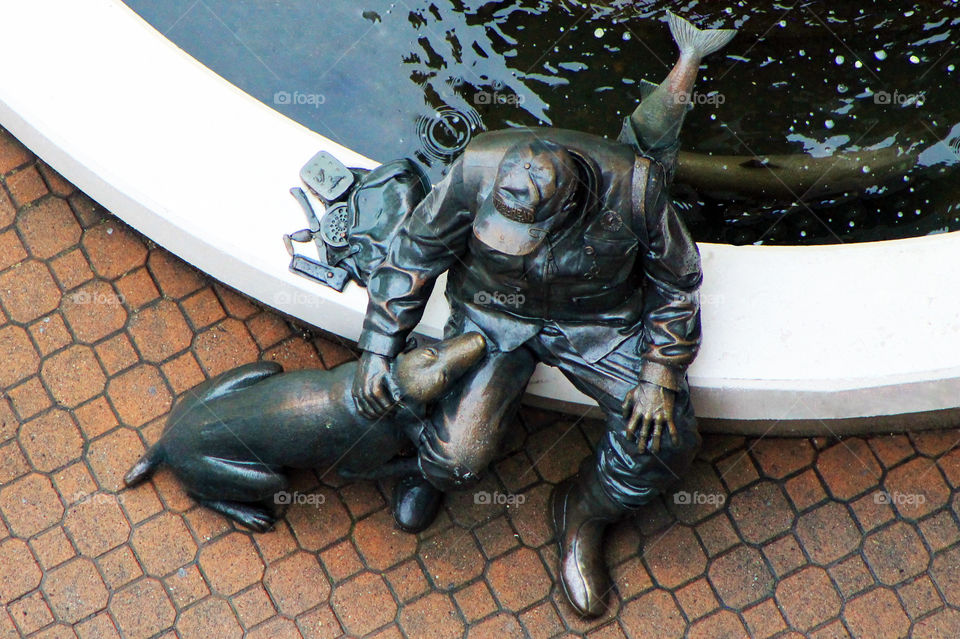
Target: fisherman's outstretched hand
x=371, y=390
x=649, y=408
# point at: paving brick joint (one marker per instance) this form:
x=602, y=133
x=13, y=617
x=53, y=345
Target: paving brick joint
x=101, y=331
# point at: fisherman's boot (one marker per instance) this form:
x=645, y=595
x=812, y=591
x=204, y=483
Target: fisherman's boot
x=581, y=512
x=416, y=503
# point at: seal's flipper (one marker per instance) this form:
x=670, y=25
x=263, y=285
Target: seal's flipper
x=253, y=517
x=228, y=479
x=228, y=382
x=145, y=466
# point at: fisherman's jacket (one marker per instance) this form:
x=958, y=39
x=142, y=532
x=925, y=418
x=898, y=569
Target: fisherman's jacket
x=620, y=263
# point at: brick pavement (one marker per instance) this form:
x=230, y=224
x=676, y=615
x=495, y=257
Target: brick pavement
x=100, y=331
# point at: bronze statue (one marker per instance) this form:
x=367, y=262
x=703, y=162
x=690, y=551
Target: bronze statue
x=562, y=248
x=230, y=439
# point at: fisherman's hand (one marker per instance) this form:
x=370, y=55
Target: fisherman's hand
x=650, y=407
x=371, y=391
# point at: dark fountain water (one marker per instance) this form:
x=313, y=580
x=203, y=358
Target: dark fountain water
x=831, y=80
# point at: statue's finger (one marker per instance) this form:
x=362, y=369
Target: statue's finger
x=632, y=424
x=654, y=446
x=644, y=431
x=626, y=405
x=674, y=433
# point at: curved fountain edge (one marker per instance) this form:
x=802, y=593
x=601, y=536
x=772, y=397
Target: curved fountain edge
x=813, y=340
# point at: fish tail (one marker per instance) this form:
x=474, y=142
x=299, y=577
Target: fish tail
x=700, y=42
x=145, y=467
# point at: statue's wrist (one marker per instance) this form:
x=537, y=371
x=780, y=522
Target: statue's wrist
x=661, y=375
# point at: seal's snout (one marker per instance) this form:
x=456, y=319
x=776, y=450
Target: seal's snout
x=426, y=373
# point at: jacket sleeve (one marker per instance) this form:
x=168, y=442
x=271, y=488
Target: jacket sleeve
x=672, y=274
x=427, y=244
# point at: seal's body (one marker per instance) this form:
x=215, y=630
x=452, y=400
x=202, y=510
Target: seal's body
x=230, y=439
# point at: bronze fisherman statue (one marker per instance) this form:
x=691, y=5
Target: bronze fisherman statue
x=562, y=248
x=600, y=277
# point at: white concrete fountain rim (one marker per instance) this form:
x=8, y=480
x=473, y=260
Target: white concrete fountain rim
x=793, y=335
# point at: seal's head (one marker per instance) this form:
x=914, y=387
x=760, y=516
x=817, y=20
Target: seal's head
x=535, y=188
x=424, y=374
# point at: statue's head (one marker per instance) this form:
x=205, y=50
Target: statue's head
x=535, y=189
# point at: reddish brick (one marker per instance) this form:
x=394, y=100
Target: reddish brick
x=12, y=153
x=872, y=510
x=558, y=450
x=784, y=555
x=380, y=543
x=717, y=534
x=75, y=590
x=519, y=579
x=808, y=598
x=8, y=421
x=935, y=442
x=28, y=291
x=117, y=354
x=88, y=211
x=58, y=185
x=20, y=573
x=451, y=558
x=781, y=457
x=111, y=456
x=95, y=417
x=114, y=249
x=919, y=596
x=212, y=618
x=171, y=492
x=13, y=463
x=30, y=505
x=29, y=398
x=432, y=617
x=363, y=604
x=71, y=269
x=11, y=250
x=475, y=601
x=848, y=468
x=20, y=359
x=26, y=186
x=833, y=630
x=496, y=537
x=52, y=548
x=764, y=620
x=737, y=470
x=805, y=490
x=891, y=449
x=97, y=524
x=276, y=628
x=341, y=561
x=224, y=346
x=94, y=311
x=761, y=512
x=945, y=623
x=186, y=586
x=939, y=531
x=876, y=614
x=674, y=557
x=142, y=609
x=697, y=599
x=174, y=276
x=541, y=621
x=137, y=288
x=851, y=576
x=160, y=331
x=235, y=304
x=203, y=309
x=332, y=352
x=163, y=544
x=408, y=581
x=529, y=521
x=699, y=481
x=361, y=498
x=630, y=577
x=895, y=553
x=74, y=483
x=253, y=606
x=916, y=488
x=722, y=625
x=316, y=528
x=294, y=354
x=278, y=544
x=49, y=228
x=30, y=613
x=268, y=329
x=321, y=623
x=50, y=333
x=182, y=373
x=119, y=567
x=296, y=583
x=140, y=395
x=828, y=533
x=741, y=577
x=231, y=563
x=100, y=627
x=73, y=375
x=652, y=615
x=52, y=440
